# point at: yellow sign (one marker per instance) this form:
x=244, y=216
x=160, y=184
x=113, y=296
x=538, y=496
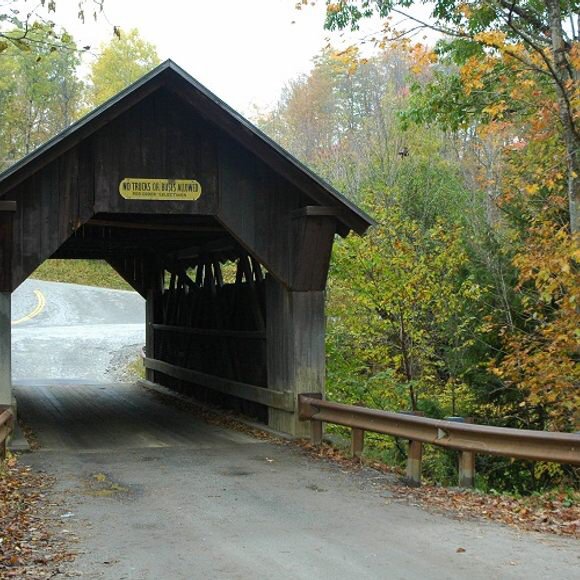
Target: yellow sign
x=160, y=189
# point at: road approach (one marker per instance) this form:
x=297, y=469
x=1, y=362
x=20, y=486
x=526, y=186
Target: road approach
x=154, y=493
x=70, y=332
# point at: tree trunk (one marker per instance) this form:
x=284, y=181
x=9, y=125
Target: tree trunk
x=567, y=77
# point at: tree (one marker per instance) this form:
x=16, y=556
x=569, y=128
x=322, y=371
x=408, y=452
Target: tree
x=125, y=59
x=40, y=93
x=342, y=118
x=530, y=33
x=507, y=74
x=399, y=305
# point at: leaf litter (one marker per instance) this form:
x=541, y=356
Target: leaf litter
x=31, y=546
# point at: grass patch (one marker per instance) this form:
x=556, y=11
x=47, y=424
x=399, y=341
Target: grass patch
x=136, y=368
x=86, y=272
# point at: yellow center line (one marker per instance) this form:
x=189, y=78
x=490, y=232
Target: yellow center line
x=40, y=304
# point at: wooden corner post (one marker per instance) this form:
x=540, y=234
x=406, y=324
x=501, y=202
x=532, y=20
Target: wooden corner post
x=295, y=349
x=7, y=209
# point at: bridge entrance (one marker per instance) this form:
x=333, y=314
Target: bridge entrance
x=225, y=235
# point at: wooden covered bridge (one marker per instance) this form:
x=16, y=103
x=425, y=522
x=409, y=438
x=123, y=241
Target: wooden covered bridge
x=225, y=234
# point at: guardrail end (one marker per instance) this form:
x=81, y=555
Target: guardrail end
x=306, y=410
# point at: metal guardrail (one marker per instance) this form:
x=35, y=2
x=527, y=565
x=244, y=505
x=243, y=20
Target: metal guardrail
x=467, y=438
x=6, y=426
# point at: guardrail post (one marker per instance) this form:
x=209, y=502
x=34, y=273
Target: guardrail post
x=414, y=460
x=316, y=432
x=357, y=442
x=467, y=464
x=466, y=468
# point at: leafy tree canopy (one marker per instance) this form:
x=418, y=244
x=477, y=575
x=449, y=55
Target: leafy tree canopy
x=122, y=61
x=537, y=36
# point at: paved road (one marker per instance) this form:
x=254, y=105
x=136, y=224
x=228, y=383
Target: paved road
x=154, y=493
x=76, y=332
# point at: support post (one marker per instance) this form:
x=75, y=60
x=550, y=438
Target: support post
x=466, y=469
x=316, y=432
x=295, y=327
x=414, y=460
x=5, y=354
x=7, y=210
x=152, y=315
x=467, y=463
x=357, y=442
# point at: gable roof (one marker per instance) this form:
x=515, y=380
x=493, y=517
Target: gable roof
x=217, y=111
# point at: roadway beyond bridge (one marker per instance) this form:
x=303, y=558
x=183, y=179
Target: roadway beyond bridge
x=153, y=492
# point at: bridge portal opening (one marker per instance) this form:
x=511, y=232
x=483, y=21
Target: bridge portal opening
x=75, y=321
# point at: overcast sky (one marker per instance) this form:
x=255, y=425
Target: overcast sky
x=243, y=50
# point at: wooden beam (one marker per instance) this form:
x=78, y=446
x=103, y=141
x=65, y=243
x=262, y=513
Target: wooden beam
x=212, y=247
x=295, y=348
x=313, y=235
x=150, y=226
x=250, y=334
x=7, y=205
x=282, y=400
x=153, y=308
x=318, y=210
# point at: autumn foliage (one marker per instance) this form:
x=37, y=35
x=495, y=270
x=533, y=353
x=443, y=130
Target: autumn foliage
x=463, y=300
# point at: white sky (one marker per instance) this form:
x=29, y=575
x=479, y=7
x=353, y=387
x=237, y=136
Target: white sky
x=242, y=50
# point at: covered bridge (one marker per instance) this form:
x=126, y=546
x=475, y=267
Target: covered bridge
x=226, y=236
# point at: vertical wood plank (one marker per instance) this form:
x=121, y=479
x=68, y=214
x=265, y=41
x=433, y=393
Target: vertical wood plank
x=153, y=313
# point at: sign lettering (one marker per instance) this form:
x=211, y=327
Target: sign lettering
x=141, y=188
